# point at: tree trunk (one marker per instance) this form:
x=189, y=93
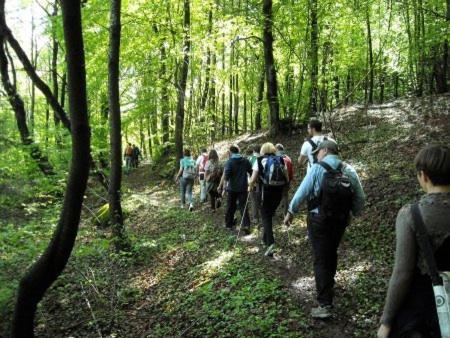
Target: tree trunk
x=370, y=52
x=259, y=103
x=49, y=266
x=164, y=95
x=115, y=133
x=212, y=99
x=230, y=107
x=18, y=107
x=236, y=104
x=314, y=57
x=54, y=62
x=208, y=66
x=179, y=121
x=28, y=67
x=271, y=74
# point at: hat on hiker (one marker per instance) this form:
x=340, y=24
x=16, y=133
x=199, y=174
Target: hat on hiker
x=327, y=144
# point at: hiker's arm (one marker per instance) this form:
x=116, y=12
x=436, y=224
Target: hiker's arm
x=253, y=179
x=302, y=159
x=222, y=181
x=405, y=261
x=305, y=190
x=179, y=173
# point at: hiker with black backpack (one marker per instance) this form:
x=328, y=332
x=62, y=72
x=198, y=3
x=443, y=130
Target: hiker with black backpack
x=188, y=173
x=308, y=153
x=270, y=173
x=417, y=304
x=201, y=164
x=290, y=171
x=235, y=180
x=333, y=193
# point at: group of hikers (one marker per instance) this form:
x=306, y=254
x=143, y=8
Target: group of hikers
x=131, y=156
x=332, y=193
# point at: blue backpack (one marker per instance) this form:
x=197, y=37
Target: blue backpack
x=274, y=172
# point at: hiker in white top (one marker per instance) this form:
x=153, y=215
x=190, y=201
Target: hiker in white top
x=315, y=137
x=201, y=164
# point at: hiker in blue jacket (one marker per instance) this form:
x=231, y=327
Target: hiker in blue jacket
x=325, y=231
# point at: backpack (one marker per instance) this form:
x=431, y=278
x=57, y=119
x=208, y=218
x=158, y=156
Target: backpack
x=336, y=193
x=274, y=172
x=440, y=280
x=189, y=171
x=290, y=168
x=314, y=147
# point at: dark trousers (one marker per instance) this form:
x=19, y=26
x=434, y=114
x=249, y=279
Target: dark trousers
x=325, y=236
x=214, y=195
x=270, y=201
x=232, y=199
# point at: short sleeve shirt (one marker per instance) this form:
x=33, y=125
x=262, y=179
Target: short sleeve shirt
x=306, y=149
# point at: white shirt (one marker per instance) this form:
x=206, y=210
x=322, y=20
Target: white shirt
x=200, y=161
x=306, y=149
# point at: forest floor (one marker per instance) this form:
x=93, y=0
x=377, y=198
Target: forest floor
x=186, y=276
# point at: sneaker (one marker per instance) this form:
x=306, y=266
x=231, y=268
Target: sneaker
x=321, y=312
x=270, y=250
x=191, y=207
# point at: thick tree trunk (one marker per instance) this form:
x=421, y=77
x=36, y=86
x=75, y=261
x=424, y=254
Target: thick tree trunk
x=271, y=74
x=179, y=121
x=18, y=107
x=49, y=266
x=314, y=58
x=115, y=133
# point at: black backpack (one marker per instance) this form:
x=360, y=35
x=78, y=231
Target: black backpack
x=314, y=147
x=336, y=193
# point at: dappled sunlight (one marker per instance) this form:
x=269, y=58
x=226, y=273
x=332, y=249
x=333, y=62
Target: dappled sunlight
x=303, y=284
x=350, y=274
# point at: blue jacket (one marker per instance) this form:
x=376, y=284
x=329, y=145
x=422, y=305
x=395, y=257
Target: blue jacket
x=236, y=170
x=310, y=186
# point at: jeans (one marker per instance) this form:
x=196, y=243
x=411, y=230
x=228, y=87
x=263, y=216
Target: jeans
x=186, y=185
x=270, y=201
x=232, y=199
x=203, y=190
x=325, y=236
x=128, y=163
x=285, y=199
x=255, y=203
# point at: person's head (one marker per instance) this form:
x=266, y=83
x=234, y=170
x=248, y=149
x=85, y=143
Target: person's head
x=314, y=127
x=325, y=148
x=249, y=151
x=213, y=156
x=204, y=150
x=187, y=152
x=268, y=148
x=433, y=166
x=256, y=149
x=234, y=149
x=279, y=147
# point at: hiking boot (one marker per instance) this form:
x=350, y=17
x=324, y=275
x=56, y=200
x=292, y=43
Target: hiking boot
x=270, y=250
x=191, y=207
x=321, y=312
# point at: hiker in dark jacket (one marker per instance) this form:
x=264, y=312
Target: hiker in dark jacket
x=213, y=174
x=270, y=195
x=235, y=176
x=410, y=309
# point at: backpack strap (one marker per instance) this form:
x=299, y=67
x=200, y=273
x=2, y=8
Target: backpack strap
x=424, y=244
x=326, y=166
x=312, y=143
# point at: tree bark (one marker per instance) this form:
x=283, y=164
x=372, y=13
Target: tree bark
x=115, y=133
x=208, y=66
x=271, y=74
x=259, y=103
x=179, y=121
x=49, y=266
x=370, y=56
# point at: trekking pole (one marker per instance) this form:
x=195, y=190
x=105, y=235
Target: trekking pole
x=242, y=220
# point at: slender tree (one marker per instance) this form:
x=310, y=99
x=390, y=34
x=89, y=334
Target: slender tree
x=179, y=120
x=115, y=133
x=314, y=58
x=49, y=266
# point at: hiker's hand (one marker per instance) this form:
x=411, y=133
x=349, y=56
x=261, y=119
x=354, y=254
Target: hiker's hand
x=383, y=331
x=176, y=179
x=288, y=219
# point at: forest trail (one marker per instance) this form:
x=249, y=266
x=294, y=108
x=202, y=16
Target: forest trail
x=186, y=276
